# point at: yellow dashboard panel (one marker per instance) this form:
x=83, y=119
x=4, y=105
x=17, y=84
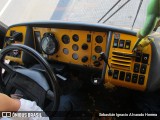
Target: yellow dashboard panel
x=128, y=70
x=10, y=32
x=83, y=51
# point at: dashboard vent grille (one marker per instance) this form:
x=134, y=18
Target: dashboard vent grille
x=121, y=61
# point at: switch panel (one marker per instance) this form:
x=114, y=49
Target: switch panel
x=115, y=74
x=130, y=68
x=121, y=43
x=134, y=78
x=143, y=68
x=122, y=75
x=136, y=67
x=128, y=44
x=138, y=57
x=145, y=58
x=128, y=77
x=115, y=44
x=141, y=79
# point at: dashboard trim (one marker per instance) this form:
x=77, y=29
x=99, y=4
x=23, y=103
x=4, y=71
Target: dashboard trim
x=75, y=26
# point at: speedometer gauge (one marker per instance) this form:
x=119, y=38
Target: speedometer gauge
x=49, y=44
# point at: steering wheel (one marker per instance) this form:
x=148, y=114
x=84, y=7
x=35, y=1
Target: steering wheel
x=33, y=84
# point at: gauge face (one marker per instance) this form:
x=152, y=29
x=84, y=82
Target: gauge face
x=75, y=47
x=75, y=56
x=98, y=49
x=99, y=39
x=49, y=44
x=65, y=39
x=65, y=51
x=75, y=37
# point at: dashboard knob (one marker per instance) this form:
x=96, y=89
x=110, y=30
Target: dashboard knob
x=97, y=63
x=15, y=36
x=85, y=59
x=84, y=46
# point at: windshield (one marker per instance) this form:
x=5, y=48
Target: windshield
x=122, y=13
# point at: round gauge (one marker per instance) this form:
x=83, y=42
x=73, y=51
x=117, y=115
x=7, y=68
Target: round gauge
x=75, y=56
x=98, y=49
x=75, y=47
x=99, y=39
x=49, y=44
x=65, y=51
x=65, y=39
x=75, y=37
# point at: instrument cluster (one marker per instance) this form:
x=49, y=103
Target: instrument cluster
x=71, y=46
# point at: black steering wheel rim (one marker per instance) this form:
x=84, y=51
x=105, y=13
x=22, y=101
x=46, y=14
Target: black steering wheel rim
x=52, y=78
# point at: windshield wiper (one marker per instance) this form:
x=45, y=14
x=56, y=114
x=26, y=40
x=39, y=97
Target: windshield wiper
x=108, y=11
x=140, y=4
x=116, y=11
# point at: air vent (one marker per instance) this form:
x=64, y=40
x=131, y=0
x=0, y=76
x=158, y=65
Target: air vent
x=121, y=61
